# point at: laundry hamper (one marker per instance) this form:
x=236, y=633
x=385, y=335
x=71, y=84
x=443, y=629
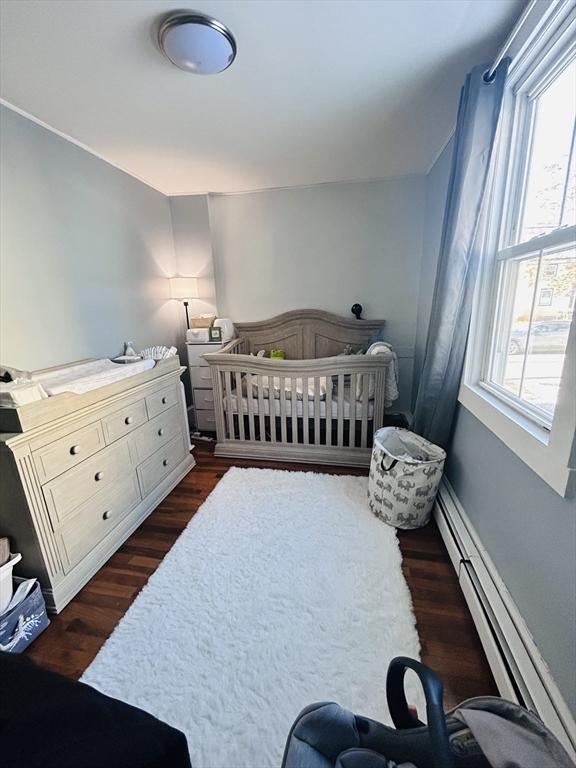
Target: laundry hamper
x=405, y=473
x=25, y=621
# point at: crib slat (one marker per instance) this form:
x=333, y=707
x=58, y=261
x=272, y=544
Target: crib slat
x=305, y=411
x=379, y=399
x=340, y=410
x=218, y=387
x=240, y=403
x=229, y=411
x=352, y=414
x=365, y=404
x=261, y=411
x=272, y=408
x=316, y=410
x=250, y=400
x=283, y=430
x=328, y=410
x=294, y=407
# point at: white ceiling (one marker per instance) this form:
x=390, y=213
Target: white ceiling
x=323, y=90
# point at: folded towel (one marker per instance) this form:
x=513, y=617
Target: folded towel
x=20, y=392
x=8, y=374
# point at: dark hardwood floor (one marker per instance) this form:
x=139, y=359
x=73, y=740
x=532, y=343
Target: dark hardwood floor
x=450, y=644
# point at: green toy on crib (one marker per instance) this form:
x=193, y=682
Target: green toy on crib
x=278, y=354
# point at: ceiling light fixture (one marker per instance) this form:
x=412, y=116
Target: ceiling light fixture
x=196, y=43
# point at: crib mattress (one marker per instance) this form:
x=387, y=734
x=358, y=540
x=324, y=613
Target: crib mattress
x=300, y=406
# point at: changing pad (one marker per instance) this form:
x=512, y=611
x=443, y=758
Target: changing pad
x=82, y=377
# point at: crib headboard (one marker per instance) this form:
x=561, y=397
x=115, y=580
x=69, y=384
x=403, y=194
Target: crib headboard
x=306, y=334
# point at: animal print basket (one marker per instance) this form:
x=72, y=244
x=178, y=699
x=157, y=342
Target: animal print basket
x=405, y=473
x=24, y=622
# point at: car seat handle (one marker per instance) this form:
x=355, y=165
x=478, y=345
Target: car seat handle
x=434, y=694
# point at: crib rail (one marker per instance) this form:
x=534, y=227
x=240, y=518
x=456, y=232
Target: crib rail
x=323, y=410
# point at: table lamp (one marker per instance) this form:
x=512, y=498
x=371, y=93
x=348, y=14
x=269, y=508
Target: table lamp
x=184, y=288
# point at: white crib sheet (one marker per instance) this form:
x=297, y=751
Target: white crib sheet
x=300, y=406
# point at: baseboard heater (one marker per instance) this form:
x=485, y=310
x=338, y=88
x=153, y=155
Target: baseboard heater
x=519, y=669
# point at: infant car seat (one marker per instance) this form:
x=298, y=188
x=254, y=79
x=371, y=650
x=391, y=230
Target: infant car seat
x=484, y=732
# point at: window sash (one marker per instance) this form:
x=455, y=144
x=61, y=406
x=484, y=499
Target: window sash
x=502, y=303
x=519, y=167
x=521, y=101
x=540, y=417
x=561, y=237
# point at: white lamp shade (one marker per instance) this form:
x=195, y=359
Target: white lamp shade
x=183, y=288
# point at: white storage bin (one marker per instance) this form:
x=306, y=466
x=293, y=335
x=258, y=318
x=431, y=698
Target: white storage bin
x=405, y=473
x=6, y=580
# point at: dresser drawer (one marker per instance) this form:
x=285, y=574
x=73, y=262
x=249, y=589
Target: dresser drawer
x=124, y=421
x=201, y=377
x=195, y=352
x=162, y=400
x=160, y=464
x=205, y=421
x=204, y=399
x=63, y=454
x=157, y=432
x=67, y=492
x=95, y=519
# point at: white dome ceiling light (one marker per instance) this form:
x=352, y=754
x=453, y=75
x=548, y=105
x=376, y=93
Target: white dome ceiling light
x=196, y=43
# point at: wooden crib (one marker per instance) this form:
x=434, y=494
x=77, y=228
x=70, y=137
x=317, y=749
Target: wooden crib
x=312, y=406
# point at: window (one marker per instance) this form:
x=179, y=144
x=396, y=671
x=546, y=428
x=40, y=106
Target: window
x=536, y=265
x=520, y=372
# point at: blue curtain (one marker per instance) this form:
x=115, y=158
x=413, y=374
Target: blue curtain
x=476, y=127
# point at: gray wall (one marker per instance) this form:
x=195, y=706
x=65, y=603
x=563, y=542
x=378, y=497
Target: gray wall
x=528, y=530
x=193, y=247
x=324, y=247
x=85, y=250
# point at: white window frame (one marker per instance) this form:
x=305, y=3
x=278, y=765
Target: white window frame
x=547, y=449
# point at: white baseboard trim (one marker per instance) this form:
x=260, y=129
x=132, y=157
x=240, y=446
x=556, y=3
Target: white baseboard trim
x=519, y=669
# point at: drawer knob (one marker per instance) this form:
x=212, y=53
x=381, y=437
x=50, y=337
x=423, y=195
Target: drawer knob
x=74, y=450
x=160, y=431
x=106, y=515
x=128, y=420
x=98, y=476
x=164, y=400
x=165, y=463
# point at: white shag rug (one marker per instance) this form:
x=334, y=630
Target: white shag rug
x=283, y=590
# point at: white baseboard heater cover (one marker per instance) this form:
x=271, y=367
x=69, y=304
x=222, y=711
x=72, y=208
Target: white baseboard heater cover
x=519, y=669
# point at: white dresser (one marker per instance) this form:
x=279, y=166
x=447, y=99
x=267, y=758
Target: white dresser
x=79, y=473
x=201, y=383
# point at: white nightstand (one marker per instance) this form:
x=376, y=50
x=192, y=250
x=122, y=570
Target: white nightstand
x=201, y=383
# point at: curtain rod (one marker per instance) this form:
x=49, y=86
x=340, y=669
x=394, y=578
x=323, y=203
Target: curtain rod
x=489, y=75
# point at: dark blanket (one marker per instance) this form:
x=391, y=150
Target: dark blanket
x=50, y=721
